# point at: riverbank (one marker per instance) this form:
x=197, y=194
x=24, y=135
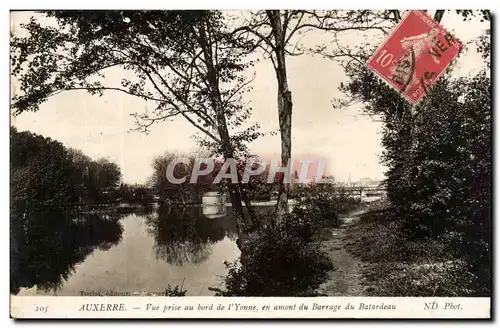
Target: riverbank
x=372, y=257
x=258, y=203
x=101, y=208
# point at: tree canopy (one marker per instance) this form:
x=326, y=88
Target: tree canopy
x=183, y=62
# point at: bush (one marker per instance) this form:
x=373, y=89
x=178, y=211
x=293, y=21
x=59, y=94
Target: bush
x=397, y=265
x=281, y=261
x=323, y=204
x=439, y=161
x=171, y=291
x=450, y=172
x=439, y=279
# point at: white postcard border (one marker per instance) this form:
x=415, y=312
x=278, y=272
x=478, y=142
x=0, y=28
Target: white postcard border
x=206, y=307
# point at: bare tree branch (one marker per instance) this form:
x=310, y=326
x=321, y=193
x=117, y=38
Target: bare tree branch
x=107, y=88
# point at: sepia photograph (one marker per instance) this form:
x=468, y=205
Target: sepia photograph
x=328, y=162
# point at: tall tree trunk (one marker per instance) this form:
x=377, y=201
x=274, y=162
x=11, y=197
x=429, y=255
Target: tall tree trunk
x=254, y=223
x=242, y=225
x=284, y=106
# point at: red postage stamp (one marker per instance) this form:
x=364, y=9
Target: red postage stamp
x=415, y=55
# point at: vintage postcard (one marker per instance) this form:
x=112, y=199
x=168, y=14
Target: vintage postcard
x=280, y=164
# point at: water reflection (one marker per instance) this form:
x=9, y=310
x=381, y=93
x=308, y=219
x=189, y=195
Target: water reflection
x=214, y=211
x=67, y=252
x=136, y=209
x=47, y=244
x=186, y=235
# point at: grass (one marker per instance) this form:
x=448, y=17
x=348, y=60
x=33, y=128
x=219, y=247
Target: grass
x=392, y=265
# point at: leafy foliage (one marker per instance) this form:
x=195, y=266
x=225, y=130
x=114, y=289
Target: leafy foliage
x=323, y=203
x=395, y=265
x=40, y=172
x=184, y=62
x=171, y=291
x=283, y=262
x=182, y=192
x=255, y=186
x=133, y=194
x=439, y=161
x=94, y=180
x=45, y=173
x=187, y=63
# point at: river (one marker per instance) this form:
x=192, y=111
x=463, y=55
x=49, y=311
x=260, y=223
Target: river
x=63, y=253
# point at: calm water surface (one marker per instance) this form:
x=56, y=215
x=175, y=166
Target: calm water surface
x=61, y=253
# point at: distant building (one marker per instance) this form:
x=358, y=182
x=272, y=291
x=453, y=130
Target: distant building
x=330, y=180
x=362, y=183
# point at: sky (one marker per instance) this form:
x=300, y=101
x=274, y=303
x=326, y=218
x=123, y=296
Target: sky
x=347, y=139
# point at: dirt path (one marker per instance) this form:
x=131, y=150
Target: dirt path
x=345, y=279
